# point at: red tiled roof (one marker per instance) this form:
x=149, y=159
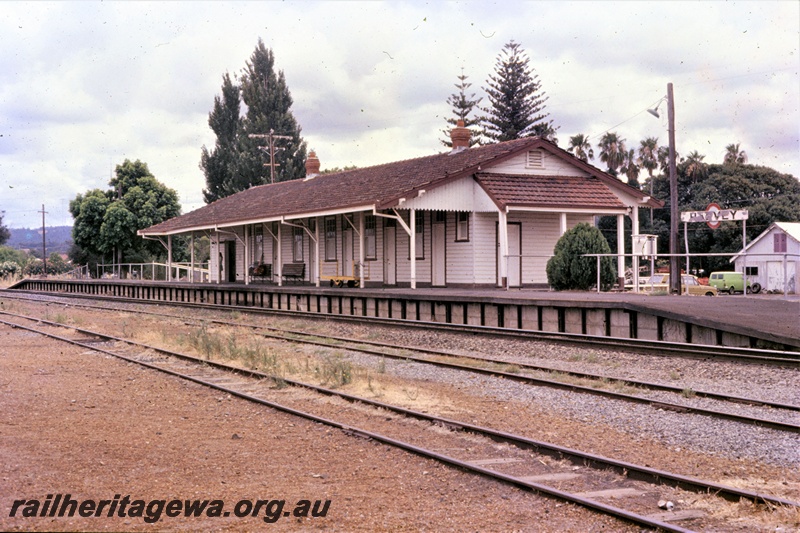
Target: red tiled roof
x=381, y=186
x=548, y=191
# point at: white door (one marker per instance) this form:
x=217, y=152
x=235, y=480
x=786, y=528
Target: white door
x=347, y=252
x=438, y=255
x=389, y=253
x=514, y=250
x=775, y=276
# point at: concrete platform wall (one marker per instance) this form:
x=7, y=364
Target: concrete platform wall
x=562, y=317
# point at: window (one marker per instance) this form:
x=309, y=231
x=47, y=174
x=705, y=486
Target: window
x=370, y=248
x=752, y=271
x=420, y=235
x=297, y=245
x=779, y=243
x=462, y=226
x=330, y=239
x=419, y=224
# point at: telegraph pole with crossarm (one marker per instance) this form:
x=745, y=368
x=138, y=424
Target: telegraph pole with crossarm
x=271, y=148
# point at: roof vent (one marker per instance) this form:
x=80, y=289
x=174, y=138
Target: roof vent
x=460, y=137
x=534, y=159
x=312, y=165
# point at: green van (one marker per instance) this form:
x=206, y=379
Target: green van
x=731, y=282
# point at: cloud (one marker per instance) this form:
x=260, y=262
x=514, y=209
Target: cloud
x=86, y=85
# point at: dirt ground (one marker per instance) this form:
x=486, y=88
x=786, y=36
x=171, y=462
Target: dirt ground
x=95, y=428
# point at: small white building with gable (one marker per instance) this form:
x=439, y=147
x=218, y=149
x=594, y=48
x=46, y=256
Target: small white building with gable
x=773, y=257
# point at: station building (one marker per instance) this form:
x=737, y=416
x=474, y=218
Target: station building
x=486, y=216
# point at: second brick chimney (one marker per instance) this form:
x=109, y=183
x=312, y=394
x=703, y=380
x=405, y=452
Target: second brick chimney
x=312, y=165
x=460, y=137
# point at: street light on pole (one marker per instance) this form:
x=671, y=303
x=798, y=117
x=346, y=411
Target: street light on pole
x=674, y=267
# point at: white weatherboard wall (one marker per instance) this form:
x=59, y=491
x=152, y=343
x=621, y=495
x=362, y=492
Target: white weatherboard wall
x=460, y=264
x=485, y=248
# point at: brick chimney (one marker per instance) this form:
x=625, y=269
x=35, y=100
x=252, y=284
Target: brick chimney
x=460, y=137
x=312, y=165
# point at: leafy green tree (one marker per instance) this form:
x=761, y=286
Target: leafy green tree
x=56, y=264
x=10, y=255
x=106, y=222
x=517, y=100
x=219, y=163
x=568, y=269
x=269, y=103
x=768, y=195
x=5, y=234
x=612, y=151
x=580, y=147
x=88, y=211
x=463, y=107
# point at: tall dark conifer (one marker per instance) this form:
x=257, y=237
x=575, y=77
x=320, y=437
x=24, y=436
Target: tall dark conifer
x=462, y=107
x=219, y=163
x=516, y=97
x=269, y=103
x=239, y=161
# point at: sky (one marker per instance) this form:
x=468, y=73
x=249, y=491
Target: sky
x=85, y=85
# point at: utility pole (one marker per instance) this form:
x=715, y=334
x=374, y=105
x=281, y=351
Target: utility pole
x=44, y=249
x=271, y=148
x=674, y=266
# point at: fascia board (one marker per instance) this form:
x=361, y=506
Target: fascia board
x=263, y=220
x=556, y=209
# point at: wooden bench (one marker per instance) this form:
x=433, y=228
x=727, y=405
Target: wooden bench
x=293, y=271
x=262, y=270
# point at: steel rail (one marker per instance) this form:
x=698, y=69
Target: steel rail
x=594, y=377
x=642, y=473
x=658, y=348
x=676, y=407
x=423, y=452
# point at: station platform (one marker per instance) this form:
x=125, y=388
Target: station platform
x=763, y=320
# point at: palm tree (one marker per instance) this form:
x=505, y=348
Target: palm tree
x=695, y=168
x=580, y=147
x=612, y=151
x=631, y=169
x=648, y=159
x=734, y=156
x=663, y=158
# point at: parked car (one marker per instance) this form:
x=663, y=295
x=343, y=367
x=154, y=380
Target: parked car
x=732, y=282
x=689, y=283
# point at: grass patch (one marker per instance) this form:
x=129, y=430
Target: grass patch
x=60, y=318
x=335, y=371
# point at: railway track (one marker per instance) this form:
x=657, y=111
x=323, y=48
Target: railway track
x=657, y=348
x=592, y=384
x=581, y=478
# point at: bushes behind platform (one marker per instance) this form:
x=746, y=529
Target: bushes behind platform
x=569, y=270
